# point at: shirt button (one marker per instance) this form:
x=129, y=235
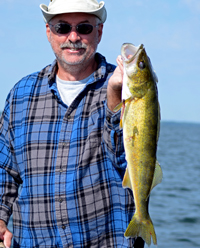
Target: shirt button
x=61, y=170
x=60, y=200
x=68, y=117
x=63, y=227
x=116, y=122
x=64, y=144
x=108, y=119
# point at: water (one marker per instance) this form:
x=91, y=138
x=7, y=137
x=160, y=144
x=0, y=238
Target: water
x=175, y=203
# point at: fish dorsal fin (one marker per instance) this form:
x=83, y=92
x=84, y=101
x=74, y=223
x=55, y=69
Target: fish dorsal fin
x=159, y=118
x=126, y=180
x=158, y=175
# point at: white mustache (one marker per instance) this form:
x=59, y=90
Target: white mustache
x=73, y=45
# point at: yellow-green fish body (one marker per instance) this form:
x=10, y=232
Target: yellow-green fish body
x=140, y=122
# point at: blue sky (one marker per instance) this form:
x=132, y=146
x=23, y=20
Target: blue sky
x=169, y=29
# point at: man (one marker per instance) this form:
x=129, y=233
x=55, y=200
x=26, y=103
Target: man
x=61, y=152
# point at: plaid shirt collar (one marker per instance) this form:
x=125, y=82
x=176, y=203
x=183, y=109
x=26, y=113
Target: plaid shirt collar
x=99, y=73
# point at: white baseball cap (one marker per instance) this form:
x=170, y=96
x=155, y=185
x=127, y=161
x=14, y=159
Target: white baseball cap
x=57, y=7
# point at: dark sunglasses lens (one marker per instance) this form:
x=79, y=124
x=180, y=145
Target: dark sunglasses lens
x=84, y=28
x=62, y=28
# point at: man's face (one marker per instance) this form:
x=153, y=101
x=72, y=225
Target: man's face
x=74, y=48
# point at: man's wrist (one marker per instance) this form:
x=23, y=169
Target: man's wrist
x=113, y=98
x=2, y=223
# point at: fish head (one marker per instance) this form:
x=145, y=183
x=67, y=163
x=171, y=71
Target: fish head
x=138, y=71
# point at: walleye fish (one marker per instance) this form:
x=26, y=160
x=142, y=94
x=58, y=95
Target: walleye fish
x=140, y=122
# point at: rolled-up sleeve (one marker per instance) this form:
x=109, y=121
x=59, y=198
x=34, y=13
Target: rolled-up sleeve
x=113, y=138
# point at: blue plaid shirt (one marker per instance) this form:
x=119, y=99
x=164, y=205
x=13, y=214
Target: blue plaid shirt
x=68, y=166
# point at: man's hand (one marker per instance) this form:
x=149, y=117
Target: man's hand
x=5, y=234
x=115, y=86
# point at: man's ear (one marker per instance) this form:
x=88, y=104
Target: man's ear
x=48, y=31
x=100, y=32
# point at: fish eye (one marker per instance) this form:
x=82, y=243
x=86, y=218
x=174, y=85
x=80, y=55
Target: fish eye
x=141, y=65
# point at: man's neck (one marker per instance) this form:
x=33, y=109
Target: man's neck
x=76, y=72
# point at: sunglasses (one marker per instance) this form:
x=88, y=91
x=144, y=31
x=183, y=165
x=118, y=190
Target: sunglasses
x=65, y=28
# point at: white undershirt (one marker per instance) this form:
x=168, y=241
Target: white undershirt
x=69, y=90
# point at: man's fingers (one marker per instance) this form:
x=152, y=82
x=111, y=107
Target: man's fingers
x=120, y=63
x=7, y=239
x=3, y=229
x=5, y=234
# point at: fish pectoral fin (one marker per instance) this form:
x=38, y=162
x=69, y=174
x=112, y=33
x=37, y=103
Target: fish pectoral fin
x=126, y=180
x=122, y=106
x=158, y=175
x=122, y=103
x=121, y=124
x=118, y=107
x=122, y=114
x=129, y=99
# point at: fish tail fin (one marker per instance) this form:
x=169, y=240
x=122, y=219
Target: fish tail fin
x=141, y=228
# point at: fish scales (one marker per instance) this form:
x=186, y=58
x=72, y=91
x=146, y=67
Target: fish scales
x=140, y=123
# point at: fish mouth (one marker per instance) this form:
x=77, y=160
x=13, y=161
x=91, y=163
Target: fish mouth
x=129, y=52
